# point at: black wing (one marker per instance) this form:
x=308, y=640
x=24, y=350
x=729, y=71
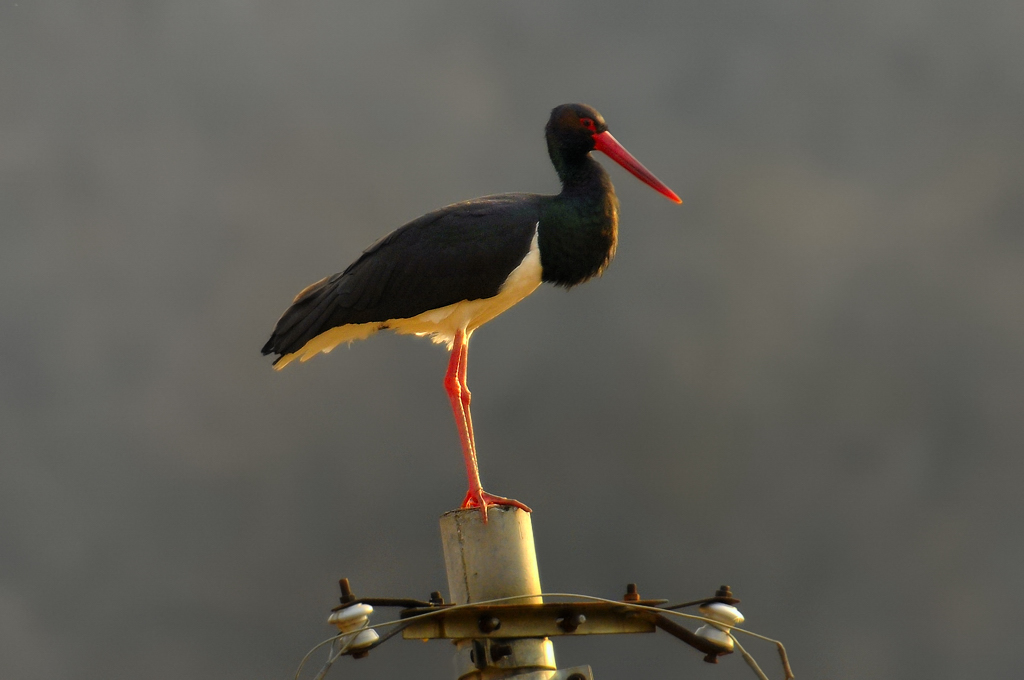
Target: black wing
x=461, y=252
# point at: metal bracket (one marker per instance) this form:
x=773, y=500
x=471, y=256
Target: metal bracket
x=526, y=621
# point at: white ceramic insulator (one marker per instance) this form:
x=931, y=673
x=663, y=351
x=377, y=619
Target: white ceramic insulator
x=351, y=618
x=713, y=634
x=364, y=639
x=725, y=615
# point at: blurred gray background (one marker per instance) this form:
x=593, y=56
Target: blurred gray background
x=806, y=382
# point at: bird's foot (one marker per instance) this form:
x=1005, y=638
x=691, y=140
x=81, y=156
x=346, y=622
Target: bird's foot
x=479, y=498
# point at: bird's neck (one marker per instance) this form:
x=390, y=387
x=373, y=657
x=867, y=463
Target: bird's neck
x=579, y=228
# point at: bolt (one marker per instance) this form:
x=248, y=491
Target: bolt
x=632, y=594
x=724, y=595
x=489, y=624
x=435, y=598
x=346, y=591
x=499, y=650
x=570, y=622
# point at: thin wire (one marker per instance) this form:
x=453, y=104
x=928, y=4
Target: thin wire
x=388, y=635
x=644, y=607
x=408, y=620
x=785, y=662
x=328, y=641
x=686, y=604
x=749, y=659
x=330, y=661
x=780, y=647
x=343, y=647
x=331, y=658
x=631, y=605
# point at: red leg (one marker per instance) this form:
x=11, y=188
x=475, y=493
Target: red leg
x=453, y=386
x=466, y=396
x=459, y=395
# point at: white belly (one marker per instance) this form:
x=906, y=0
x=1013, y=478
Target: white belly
x=440, y=324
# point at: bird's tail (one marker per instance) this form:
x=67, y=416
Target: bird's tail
x=310, y=325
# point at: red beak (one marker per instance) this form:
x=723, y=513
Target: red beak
x=608, y=145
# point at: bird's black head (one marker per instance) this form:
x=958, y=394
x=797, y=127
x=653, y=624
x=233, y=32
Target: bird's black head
x=570, y=130
x=573, y=131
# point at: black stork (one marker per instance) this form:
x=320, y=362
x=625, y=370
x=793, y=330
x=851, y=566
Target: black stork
x=449, y=272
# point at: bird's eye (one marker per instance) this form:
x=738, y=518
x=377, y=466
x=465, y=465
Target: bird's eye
x=589, y=124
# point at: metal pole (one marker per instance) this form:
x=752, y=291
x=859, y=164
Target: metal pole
x=488, y=561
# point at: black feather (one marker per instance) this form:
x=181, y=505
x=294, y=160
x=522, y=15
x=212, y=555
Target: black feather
x=462, y=252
